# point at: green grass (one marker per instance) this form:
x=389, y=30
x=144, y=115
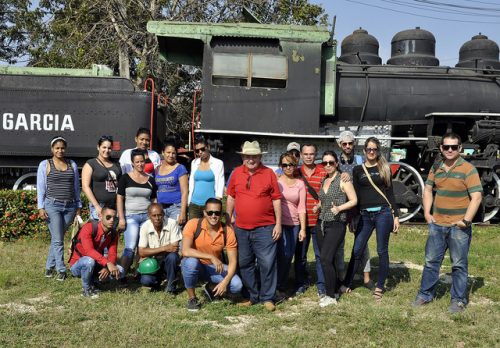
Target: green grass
x=35, y=311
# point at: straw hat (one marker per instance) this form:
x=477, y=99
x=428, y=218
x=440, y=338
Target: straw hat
x=251, y=148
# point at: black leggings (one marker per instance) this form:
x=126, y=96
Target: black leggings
x=330, y=237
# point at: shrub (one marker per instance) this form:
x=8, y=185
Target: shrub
x=19, y=215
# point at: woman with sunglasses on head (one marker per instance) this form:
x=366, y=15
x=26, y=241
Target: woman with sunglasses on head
x=336, y=197
x=136, y=191
x=206, y=178
x=172, y=181
x=293, y=218
x=152, y=158
x=58, y=196
x=378, y=211
x=100, y=177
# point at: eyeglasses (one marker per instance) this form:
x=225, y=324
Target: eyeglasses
x=200, y=150
x=106, y=137
x=350, y=143
x=214, y=212
x=371, y=149
x=109, y=217
x=287, y=165
x=448, y=147
x=328, y=163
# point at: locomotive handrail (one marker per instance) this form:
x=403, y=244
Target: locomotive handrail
x=464, y=114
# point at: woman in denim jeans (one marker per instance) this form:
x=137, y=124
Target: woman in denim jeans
x=58, y=195
x=375, y=213
x=100, y=177
x=293, y=215
x=136, y=191
x=172, y=181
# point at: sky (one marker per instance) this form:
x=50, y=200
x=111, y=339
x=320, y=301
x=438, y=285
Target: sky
x=453, y=22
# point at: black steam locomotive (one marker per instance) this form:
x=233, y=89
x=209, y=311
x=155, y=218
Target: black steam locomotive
x=275, y=83
x=37, y=104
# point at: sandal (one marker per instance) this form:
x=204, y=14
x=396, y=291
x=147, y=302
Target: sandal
x=345, y=290
x=377, y=295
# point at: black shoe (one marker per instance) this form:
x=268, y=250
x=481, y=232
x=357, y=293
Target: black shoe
x=49, y=273
x=61, y=276
x=209, y=294
x=369, y=285
x=193, y=305
x=90, y=293
x=280, y=297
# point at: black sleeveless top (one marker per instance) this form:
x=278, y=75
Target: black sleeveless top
x=104, y=182
x=60, y=184
x=333, y=195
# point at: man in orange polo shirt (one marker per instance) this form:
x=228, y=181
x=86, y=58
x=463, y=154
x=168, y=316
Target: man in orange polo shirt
x=202, y=256
x=253, y=193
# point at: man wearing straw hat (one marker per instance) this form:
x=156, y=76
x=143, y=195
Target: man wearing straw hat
x=253, y=194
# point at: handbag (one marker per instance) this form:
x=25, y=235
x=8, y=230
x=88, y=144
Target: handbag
x=377, y=189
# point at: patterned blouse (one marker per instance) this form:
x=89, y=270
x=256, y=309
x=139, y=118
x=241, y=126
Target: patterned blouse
x=333, y=195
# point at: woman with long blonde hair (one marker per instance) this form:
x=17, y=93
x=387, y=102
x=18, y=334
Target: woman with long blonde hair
x=373, y=184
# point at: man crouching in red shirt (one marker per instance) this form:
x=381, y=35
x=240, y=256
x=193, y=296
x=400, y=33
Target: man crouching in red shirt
x=254, y=195
x=89, y=249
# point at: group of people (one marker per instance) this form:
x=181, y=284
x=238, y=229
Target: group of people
x=170, y=217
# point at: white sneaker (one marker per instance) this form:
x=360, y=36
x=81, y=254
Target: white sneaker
x=326, y=301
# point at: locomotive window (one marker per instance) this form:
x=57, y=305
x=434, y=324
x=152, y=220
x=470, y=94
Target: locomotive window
x=249, y=70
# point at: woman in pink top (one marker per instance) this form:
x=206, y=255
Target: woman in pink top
x=293, y=212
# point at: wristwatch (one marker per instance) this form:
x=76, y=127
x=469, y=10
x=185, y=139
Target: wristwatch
x=467, y=223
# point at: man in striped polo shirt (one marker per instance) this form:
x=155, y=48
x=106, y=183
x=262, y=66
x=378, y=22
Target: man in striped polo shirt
x=458, y=196
x=312, y=174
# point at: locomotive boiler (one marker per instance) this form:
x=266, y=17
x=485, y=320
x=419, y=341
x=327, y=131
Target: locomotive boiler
x=278, y=83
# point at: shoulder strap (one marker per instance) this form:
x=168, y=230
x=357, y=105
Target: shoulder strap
x=76, y=238
x=310, y=189
x=198, y=231
x=375, y=186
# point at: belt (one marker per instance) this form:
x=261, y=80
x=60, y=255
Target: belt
x=55, y=200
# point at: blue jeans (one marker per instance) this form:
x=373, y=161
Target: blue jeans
x=168, y=267
x=61, y=216
x=286, y=250
x=131, y=234
x=442, y=238
x=84, y=268
x=301, y=274
x=383, y=223
x=193, y=270
x=173, y=211
x=257, y=245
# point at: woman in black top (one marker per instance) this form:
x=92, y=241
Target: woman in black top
x=376, y=213
x=100, y=178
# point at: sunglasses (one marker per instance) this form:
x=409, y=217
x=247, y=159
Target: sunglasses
x=371, y=149
x=106, y=137
x=109, y=217
x=200, y=150
x=328, y=163
x=214, y=212
x=448, y=147
x=350, y=143
x=287, y=165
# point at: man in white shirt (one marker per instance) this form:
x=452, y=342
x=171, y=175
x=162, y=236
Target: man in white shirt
x=159, y=239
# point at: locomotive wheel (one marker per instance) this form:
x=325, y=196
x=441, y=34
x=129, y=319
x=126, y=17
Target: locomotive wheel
x=408, y=189
x=492, y=194
x=26, y=182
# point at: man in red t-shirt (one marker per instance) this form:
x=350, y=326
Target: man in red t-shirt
x=312, y=173
x=88, y=254
x=253, y=193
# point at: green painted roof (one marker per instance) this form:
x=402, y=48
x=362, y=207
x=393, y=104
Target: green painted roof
x=96, y=70
x=204, y=31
